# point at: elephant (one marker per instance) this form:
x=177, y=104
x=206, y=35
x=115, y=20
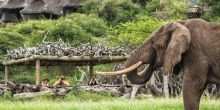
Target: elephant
x=191, y=46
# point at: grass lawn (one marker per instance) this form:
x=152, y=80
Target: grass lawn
x=109, y=104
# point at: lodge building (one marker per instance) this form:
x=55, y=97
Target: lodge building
x=18, y=10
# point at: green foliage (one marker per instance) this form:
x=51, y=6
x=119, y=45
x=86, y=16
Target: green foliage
x=152, y=5
x=70, y=32
x=170, y=9
x=91, y=6
x=211, y=18
x=112, y=11
x=117, y=11
x=7, y=95
x=8, y=40
x=175, y=9
x=74, y=29
x=92, y=24
x=134, y=33
x=214, y=4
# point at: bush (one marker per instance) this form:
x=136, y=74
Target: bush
x=78, y=28
x=90, y=23
x=213, y=4
x=117, y=11
x=134, y=33
x=112, y=11
x=9, y=40
x=91, y=6
x=175, y=9
x=152, y=5
x=211, y=18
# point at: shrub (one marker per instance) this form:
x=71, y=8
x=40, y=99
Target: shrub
x=91, y=6
x=117, y=11
x=152, y=5
x=211, y=18
x=175, y=9
x=134, y=33
x=78, y=28
x=213, y=4
x=9, y=40
x=113, y=11
x=90, y=23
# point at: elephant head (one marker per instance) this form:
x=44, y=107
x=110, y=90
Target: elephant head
x=164, y=49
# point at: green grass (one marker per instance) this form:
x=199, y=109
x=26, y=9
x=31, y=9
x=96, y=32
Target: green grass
x=82, y=100
x=110, y=104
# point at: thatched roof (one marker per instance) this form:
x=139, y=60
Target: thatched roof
x=71, y=3
x=2, y=2
x=53, y=7
x=50, y=6
x=43, y=6
x=14, y=4
x=36, y=6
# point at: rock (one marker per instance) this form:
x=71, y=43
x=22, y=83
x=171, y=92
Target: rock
x=126, y=96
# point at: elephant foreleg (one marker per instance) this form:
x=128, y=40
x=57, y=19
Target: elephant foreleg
x=193, y=87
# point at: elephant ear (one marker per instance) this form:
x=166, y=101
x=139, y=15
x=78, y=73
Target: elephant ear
x=179, y=43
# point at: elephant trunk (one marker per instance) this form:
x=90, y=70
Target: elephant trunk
x=142, y=55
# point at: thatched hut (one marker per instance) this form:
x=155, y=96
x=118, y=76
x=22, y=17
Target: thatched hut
x=1, y=3
x=70, y=6
x=53, y=8
x=34, y=10
x=11, y=10
x=42, y=9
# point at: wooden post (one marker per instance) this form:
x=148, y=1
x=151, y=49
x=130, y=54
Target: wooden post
x=50, y=16
x=6, y=72
x=37, y=72
x=90, y=70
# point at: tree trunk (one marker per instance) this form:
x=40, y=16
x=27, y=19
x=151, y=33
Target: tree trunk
x=165, y=86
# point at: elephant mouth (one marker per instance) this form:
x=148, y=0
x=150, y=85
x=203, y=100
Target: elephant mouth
x=127, y=70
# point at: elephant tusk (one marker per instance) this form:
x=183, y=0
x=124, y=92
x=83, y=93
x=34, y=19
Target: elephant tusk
x=124, y=71
x=143, y=72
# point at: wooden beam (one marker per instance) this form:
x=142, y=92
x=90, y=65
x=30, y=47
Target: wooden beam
x=37, y=72
x=73, y=59
x=50, y=16
x=90, y=69
x=6, y=73
x=18, y=61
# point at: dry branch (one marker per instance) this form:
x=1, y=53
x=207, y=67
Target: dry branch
x=62, y=49
x=135, y=90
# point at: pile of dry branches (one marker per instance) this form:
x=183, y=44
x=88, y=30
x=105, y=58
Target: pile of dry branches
x=155, y=85
x=64, y=49
x=28, y=91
